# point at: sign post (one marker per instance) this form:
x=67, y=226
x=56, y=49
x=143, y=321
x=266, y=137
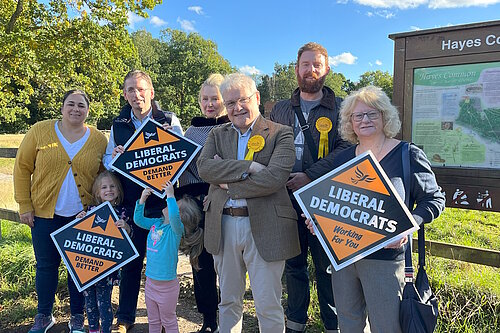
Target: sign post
x=356, y=210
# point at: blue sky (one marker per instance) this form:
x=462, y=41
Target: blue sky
x=254, y=35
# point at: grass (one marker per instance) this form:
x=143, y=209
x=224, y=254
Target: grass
x=466, y=227
x=6, y=184
x=7, y=165
x=469, y=294
x=469, y=301
x=10, y=140
x=17, y=278
x=7, y=194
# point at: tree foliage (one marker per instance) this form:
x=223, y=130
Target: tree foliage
x=48, y=48
x=186, y=60
x=376, y=78
x=282, y=82
x=178, y=63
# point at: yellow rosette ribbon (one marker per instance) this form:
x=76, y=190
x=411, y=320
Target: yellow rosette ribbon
x=255, y=144
x=323, y=125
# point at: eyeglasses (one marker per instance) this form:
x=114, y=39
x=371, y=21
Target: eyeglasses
x=241, y=101
x=132, y=90
x=372, y=115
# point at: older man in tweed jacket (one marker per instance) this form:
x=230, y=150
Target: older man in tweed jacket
x=250, y=222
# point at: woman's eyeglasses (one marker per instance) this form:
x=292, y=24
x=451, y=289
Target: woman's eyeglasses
x=372, y=115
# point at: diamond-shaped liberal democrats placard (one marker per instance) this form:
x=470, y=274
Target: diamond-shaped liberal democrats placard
x=154, y=156
x=356, y=210
x=94, y=247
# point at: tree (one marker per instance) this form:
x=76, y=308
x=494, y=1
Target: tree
x=337, y=82
x=148, y=49
x=376, y=78
x=185, y=62
x=48, y=48
x=283, y=82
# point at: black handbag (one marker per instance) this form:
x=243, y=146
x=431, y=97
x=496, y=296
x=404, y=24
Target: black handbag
x=419, y=307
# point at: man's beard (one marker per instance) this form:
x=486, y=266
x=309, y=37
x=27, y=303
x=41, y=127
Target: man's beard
x=311, y=87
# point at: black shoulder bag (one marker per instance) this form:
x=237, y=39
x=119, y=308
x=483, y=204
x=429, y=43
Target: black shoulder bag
x=419, y=307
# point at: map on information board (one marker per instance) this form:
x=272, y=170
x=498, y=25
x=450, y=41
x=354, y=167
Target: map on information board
x=456, y=114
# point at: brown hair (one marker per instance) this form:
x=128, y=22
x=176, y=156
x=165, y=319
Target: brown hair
x=97, y=186
x=192, y=240
x=312, y=46
x=138, y=74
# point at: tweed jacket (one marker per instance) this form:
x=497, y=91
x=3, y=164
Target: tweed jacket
x=272, y=217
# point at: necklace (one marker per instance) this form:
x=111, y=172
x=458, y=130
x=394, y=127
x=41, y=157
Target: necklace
x=379, y=150
x=381, y=147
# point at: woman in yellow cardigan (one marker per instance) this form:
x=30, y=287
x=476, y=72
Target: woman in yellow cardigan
x=56, y=165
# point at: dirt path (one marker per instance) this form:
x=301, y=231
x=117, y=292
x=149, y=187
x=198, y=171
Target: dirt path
x=5, y=177
x=188, y=317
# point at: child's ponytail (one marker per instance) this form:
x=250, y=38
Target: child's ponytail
x=192, y=240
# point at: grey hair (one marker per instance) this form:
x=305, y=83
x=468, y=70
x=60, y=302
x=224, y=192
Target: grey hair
x=376, y=98
x=238, y=81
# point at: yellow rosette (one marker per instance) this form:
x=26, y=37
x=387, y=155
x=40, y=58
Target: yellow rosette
x=323, y=125
x=255, y=144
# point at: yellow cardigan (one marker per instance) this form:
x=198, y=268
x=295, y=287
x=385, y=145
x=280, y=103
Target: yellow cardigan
x=42, y=164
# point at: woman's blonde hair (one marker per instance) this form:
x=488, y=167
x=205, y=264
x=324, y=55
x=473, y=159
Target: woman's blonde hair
x=97, y=186
x=214, y=80
x=192, y=240
x=376, y=98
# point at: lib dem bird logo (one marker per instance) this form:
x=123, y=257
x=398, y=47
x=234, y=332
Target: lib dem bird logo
x=148, y=136
x=100, y=222
x=361, y=177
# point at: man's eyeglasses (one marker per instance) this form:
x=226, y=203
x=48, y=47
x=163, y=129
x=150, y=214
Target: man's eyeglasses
x=241, y=101
x=372, y=115
x=134, y=90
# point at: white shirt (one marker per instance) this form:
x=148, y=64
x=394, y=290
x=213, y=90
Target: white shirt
x=68, y=200
x=242, y=147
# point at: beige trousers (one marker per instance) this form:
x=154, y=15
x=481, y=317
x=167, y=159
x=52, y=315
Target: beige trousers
x=237, y=256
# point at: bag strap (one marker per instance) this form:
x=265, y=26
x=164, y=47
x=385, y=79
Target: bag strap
x=421, y=246
x=405, y=159
x=304, y=128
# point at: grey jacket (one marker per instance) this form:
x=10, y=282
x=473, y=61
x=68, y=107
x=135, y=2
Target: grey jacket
x=329, y=106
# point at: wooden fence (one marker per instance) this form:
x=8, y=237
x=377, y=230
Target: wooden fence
x=434, y=248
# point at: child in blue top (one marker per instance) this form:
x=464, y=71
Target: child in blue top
x=106, y=187
x=162, y=286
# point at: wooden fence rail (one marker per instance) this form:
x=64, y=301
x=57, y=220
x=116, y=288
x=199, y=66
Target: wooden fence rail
x=434, y=248
x=8, y=152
